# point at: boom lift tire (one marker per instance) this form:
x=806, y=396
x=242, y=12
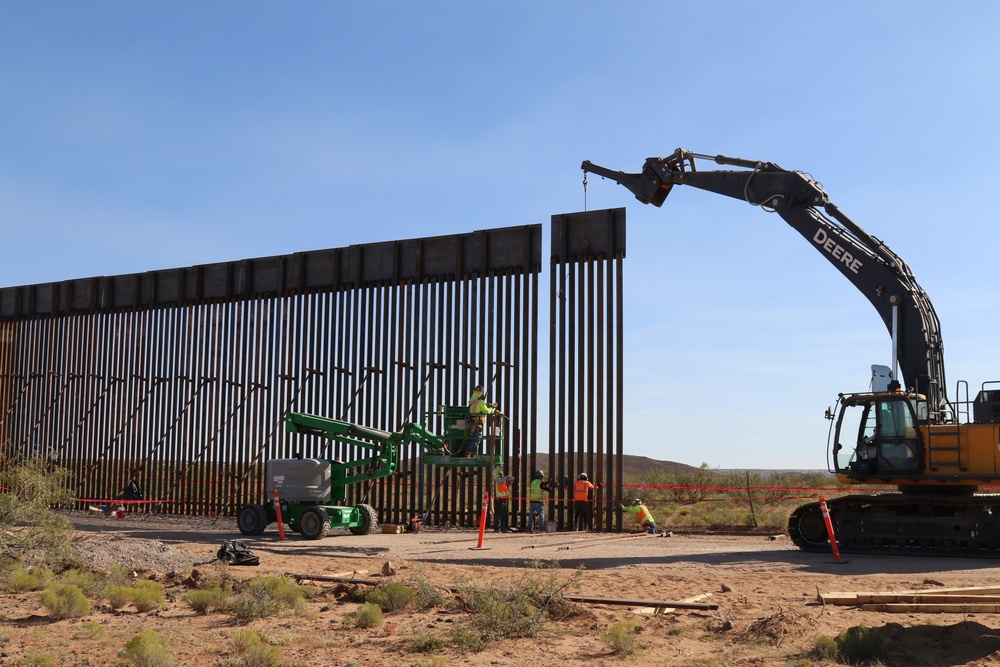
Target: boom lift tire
x=369, y=520
x=252, y=519
x=313, y=523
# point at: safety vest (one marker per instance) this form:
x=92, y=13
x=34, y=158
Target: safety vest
x=581, y=489
x=503, y=491
x=642, y=514
x=478, y=404
x=535, y=492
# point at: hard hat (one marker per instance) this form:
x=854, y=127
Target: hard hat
x=582, y=476
x=538, y=475
x=637, y=501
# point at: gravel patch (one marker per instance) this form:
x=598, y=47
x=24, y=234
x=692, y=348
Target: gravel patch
x=135, y=554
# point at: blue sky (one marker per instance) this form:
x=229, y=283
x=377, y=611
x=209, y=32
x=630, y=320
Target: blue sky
x=141, y=136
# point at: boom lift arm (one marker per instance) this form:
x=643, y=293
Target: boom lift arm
x=871, y=266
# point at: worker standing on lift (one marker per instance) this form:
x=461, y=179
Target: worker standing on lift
x=478, y=410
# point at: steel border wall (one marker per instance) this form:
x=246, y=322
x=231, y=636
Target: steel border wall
x=182, y=376
x=586, y=348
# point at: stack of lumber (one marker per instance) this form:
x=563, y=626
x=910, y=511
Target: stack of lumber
x=976, y=599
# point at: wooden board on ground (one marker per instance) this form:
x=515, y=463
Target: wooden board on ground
x=851, y=599
x=933, y=608
x=652, y=611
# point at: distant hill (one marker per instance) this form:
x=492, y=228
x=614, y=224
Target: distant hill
x=632, y=465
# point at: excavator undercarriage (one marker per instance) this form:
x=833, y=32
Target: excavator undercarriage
x=895, y=523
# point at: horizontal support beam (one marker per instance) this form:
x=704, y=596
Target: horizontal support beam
x=493, y=252
x=582, y=237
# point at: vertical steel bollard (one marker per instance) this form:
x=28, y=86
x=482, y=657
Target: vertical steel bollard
x=277, y=511
x=829, y=528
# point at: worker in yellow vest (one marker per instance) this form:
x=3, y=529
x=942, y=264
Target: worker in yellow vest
x=501, y=504
x=537, y=493
x=478, y=409
x=642, y=515
x=583, y=511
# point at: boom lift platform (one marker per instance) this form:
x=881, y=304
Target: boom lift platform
x=312, y=492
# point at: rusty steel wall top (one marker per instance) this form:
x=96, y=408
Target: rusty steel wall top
x=414, y=261
x=589, y=235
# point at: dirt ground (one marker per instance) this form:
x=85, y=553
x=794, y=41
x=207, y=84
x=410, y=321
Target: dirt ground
x=765, y=589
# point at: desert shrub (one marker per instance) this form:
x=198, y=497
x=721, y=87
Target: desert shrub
x=148, y=649
x=65, y=601
x=467, y=639
x=267, y=596
x=214, y=597
x=261, y=655
x=20, y=581
x=147, y=595
x=244, y=639
x=426, y=642
x=41, y=660
x=368, y=615
x=824, y=648
x=248, y=607
x=118, y=596
x=86, y=580
x=520, y=607
x=861, y=645
x=90, y=630
x=392, y=597
x=254, y=651
x=29, y=529
x=622, y=638
x=118, y=575
x=425, y=594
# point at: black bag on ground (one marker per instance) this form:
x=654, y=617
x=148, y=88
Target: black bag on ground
x=235, y=552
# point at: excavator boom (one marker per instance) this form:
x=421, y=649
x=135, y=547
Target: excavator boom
x=871, y=266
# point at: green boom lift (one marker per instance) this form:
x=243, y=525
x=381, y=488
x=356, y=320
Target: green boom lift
x=311, y=492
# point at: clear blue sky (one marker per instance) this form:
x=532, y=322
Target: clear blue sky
x=140, y=136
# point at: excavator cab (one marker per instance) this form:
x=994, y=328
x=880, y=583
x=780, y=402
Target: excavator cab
x=878, y=434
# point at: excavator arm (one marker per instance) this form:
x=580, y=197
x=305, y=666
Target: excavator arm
x=872, y=267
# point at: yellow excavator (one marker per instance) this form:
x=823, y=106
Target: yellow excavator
x=904, y=432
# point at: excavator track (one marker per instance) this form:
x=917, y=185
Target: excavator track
x=894, y=523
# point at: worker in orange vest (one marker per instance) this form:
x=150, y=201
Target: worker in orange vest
x=583, y=511
x=642, y=515
x=501, y=504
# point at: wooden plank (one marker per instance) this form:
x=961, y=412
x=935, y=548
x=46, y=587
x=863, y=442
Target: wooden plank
x=928, y=598
x=903, y=608
x=851, y=598
x=702, y=606
x=646, y=611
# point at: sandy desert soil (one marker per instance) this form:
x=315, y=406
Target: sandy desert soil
x=765, y=589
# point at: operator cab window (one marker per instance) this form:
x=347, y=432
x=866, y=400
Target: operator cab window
x=877, y=437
